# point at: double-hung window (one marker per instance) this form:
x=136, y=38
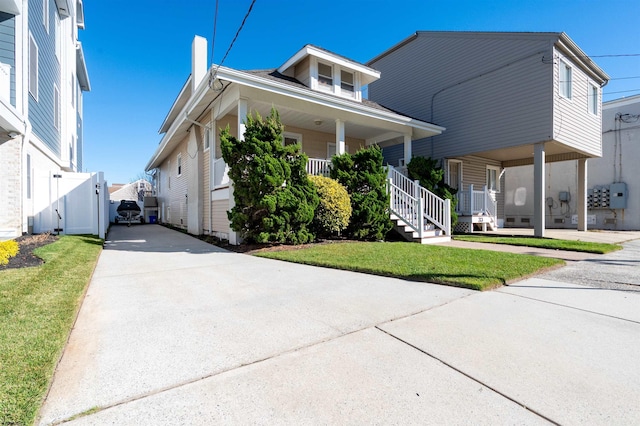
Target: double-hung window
x=347, y=85
x=325, y=76
x=33, y=67
x=207, y=138
x=565, y=80
x=594, y=99
x=493, y=176
x=179, y=164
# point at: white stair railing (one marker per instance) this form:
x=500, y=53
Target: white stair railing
x=415, y=204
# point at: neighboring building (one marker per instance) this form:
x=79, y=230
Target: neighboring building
x=42, y=77
x=134, y=191
x=318, y=95
x=506, y=99
x=613, y=194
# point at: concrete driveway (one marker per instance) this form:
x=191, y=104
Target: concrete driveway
x=175, y=331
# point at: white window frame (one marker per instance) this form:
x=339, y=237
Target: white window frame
x=57, y=113
x=335, y=149
x=336, y=75
x=346, y=93
x=497, y=171
x=323, y=86
x=45, y=15
x=460, y=172
x=594, y=98
x=565, y=77
x=290, y=135
x=179, y=163
x=33, y=67
x=207, y=138
x=169, y=174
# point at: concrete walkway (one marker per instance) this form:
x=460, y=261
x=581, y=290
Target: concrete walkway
x=175, y=331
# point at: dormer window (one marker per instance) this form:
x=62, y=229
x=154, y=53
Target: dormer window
x=325, y=76
x=324, y=71
x=347, y=83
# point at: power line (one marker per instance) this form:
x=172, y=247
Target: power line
x=215, y=26
x=233, y=41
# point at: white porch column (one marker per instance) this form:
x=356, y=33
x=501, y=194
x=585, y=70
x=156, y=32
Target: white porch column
x=582, y=194
x=340, y=138
x=538, y=190
x=234, y=238
x=407, y=149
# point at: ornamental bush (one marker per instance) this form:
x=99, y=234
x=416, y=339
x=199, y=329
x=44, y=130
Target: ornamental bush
x=365, y=178
x=334, y=210
x=431, y=177
x=275, y=200
x=8, y=249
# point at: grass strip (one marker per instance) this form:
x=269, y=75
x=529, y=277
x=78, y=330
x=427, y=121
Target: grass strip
x=475, y=269
x=546, y=243
x=37, y=308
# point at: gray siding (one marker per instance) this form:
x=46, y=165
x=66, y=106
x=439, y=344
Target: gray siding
x=8, y=48
x=573, y=124
x=488, y=90
x=393, y=154
x=41, y=111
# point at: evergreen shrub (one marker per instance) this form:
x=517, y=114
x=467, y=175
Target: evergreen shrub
x=334, y=210
x=365, y=178
x=274, y=199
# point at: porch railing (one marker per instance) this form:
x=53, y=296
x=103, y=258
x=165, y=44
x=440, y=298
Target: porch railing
x=317, y=166
x=472, y=202
x=417, y=206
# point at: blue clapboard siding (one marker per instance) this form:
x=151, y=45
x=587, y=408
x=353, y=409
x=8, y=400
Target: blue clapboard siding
x=41, y=112
x=8, y=48
x=393, y=154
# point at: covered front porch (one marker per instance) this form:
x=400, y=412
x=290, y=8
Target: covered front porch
x=323, y=128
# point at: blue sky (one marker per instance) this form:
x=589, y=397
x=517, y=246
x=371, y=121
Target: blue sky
x=138, y=53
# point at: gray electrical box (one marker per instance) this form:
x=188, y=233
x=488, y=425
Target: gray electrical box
x=618, y=195
x=564, y=196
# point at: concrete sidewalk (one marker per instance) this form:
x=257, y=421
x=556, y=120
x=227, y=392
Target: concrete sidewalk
x=175, y=331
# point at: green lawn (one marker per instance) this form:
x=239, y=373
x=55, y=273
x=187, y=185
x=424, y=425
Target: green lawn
x=547, y=243
x=475, y=269
x=37, y=308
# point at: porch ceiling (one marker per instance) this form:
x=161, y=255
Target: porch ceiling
x=323, y=121
x=523, y=154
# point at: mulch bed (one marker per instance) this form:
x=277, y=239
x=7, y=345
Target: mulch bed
x=25, y=257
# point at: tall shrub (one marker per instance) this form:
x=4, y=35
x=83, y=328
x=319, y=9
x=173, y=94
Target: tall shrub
x=334, y=210
x=365, y=177
x=275, y=201
x=431, y=176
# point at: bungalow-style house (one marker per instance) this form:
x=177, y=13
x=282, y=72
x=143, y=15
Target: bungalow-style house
x=613, y=193
x=506, y=99
x=318, y=95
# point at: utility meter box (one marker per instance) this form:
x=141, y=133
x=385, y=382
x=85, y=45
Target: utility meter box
x=618, y=195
